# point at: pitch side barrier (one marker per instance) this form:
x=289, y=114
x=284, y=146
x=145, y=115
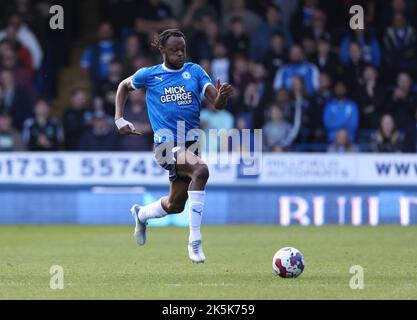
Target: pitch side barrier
x=282, y=189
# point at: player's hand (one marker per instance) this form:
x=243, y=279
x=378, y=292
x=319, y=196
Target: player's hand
x=126, y=128
x=225, y=89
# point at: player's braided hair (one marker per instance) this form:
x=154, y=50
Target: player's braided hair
x=161, y=40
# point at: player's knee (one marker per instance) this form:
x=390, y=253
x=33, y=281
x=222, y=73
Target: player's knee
x=201, y=173
x=175, y=208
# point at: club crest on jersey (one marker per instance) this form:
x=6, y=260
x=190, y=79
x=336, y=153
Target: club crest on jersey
x=186, y=75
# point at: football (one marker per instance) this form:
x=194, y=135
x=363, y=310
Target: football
x=288, y=263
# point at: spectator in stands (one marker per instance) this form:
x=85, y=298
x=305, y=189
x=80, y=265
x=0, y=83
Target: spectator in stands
x=273, y=24
x=206, y=65
x=326, y=60
x=298, y=67
x=253, y=103
x=338, y=16
x=370, y=48
x=97, y=57
x=341, y=113
x=10, y=138
x=410, y=140
x=342, y=143
x=27, y=38
x=238, y=8
x=260, y=77
x=137, y=114
x=142, y=61
x=302, y=20
x=400, y=44
x=318, y=27
x=316, y=109
x=370, y=97
x=394, y=7
x=132, y=50
x=238, y=40
x=249, y=40
x=204, y=42
x=101, y=136
x=309, y=46
x=154, y=17
x=9, y=60
x=16, y=100
x=372, y=12
x=299, y=111
x=120, y=13
x=283, y=101
x=353, y=71
x=43, y=132
x=403, y=101
x=215, y=119
x=247, y=138
x=195, y=12
x=220, y=65
x=276, y=57
x=2, y=107
x=258, y=94
x=278, y=134
x=241, y=74
x=106, y=90
x=22, y=53
x=387, y=138
x=21, y=7
x=288, y=8
x=76, y=118
x=57, y=45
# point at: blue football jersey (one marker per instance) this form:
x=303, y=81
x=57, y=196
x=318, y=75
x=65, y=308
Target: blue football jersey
x=173, y=97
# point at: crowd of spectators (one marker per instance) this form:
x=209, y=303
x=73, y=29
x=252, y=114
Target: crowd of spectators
x=299, y=73
x=31, y=56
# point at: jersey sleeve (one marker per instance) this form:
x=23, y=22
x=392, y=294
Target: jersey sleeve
x=139, y=79
x=204, y=79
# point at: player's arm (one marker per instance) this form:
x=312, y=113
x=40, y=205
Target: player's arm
x=124, y=127
x=219, y=95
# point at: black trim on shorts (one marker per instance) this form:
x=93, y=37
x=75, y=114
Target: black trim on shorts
x=171, y=166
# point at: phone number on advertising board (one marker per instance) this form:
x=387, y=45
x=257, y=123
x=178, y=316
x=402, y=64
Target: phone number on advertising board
x=85, y=167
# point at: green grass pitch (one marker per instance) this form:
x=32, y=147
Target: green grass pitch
x=106, y=263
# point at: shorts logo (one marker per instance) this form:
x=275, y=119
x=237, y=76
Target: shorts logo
x=186, y=75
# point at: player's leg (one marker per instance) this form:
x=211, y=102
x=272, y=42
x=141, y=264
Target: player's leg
x=190, y=182
x=173, y=204
x=142, y=215
x=193, y=168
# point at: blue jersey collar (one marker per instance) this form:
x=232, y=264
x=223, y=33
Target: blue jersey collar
x=171, y=70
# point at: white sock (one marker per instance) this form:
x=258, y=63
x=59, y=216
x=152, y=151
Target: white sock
x=152, y=211
x=196, y=204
